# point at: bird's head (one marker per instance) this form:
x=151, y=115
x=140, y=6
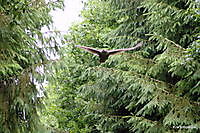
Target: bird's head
x=104, y=52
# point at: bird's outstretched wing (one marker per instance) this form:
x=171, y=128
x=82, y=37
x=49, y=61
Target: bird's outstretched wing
x=91, y=50
x=112, y=52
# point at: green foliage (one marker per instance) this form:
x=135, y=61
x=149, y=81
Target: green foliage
x=152, y=90
x=23, y=49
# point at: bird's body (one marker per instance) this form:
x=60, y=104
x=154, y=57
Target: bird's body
x=104, y=54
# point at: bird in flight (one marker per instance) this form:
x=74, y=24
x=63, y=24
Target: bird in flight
x=104, y=54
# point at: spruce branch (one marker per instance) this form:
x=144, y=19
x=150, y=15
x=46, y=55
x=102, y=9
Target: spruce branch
x=161, y=38
x=146, y=77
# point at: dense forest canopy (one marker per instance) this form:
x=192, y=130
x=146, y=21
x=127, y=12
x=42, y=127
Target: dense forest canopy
x=155, y=89
x=23, y=48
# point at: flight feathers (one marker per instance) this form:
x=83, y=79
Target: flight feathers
x=104, y=54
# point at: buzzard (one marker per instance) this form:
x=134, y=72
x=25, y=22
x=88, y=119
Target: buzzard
x=104, y=54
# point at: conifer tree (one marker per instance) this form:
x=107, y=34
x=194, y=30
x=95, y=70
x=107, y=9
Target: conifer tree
x=23, y=49
x=152, y=90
